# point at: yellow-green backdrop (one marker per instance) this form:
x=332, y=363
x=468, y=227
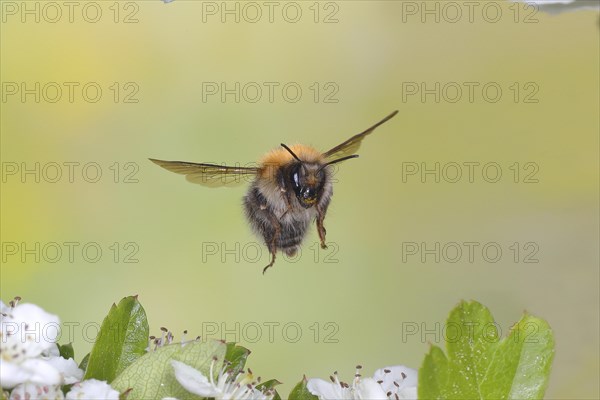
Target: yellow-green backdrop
x=99, y=86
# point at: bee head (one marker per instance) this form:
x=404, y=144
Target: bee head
x=306, y=181
x=308, y=178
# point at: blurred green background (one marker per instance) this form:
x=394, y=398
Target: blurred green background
x=364, y=55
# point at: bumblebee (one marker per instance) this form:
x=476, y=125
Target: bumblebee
x=290, y=188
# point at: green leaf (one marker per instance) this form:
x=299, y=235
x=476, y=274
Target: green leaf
x=122, y=339
x=533, y=340
x=66, y=351
x=66, y=389
x=270, y=384
x=237, y=356
x=84, y=363
x=152, y=376
x=480, y=365
x=124, y=395
x=433, y=375
x=300, y=392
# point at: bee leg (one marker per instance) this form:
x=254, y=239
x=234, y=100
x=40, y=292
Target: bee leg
x=320, y=228
x=287, y=202
x=270, y=264
x=274, y=241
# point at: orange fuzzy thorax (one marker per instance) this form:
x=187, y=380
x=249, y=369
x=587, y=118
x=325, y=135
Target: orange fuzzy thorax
x=280, y=156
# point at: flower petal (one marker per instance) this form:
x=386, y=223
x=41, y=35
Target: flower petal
x=4, y=309
x=67, y=368
x=403, y=376
x=11, y=374
x=34, y=371
x=193, y=380
x=325, y=390
x=92, y=389
x=32, y=331
x=408, y=393
x=368, y=388
x=31, y=391
x=53, y=351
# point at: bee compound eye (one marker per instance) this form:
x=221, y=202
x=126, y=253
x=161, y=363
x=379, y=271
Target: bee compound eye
x=308, y=193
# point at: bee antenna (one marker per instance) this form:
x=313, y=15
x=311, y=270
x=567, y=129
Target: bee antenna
x=291, y=152
x=338, y=160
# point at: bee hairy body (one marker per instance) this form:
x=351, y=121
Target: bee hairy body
x=272, y=206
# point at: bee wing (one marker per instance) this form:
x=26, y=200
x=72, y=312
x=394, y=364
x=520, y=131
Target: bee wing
x=352, y=145
x=211, y=175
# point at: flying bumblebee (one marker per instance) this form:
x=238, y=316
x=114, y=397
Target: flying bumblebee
x=291, y=187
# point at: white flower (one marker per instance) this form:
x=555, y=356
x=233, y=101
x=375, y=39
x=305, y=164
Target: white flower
x=35, y=371
x=30, y=391
x=366, y=388
x=28, y=352
x=558, y=6
x=68, y=369
x=396, y=382
x=27, y=331
x=227, y=386
x=3, y=309
x=51, y=352
x=92, y=389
